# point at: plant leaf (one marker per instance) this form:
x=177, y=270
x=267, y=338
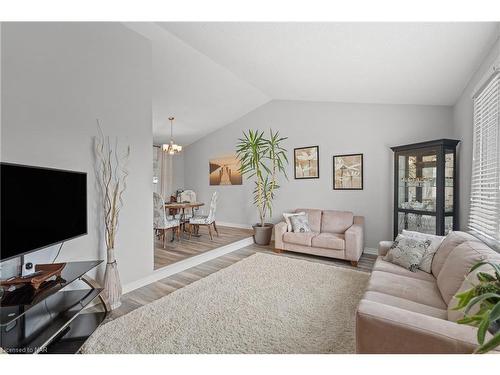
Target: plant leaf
x=478, y=299
x=495, y=313
x=481, y=331
x=489, y=345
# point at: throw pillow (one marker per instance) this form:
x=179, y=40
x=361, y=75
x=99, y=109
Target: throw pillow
x=300, y=223
x=407, y=252
x=426, y=263
x=287, y=219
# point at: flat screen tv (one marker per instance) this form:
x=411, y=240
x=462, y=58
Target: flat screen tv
x=40, y=207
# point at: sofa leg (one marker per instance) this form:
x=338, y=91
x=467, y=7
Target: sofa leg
x=279, y=251
x=354, y=263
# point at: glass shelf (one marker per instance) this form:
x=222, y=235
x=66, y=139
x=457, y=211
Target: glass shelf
x=14, y=304
x=76, y=333
x=36, y=328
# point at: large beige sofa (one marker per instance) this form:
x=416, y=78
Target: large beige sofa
x=411, y=312
x=334, y=234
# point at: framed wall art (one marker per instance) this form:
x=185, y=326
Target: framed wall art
x=348, y=172
x=306, y=162
x=224, y=170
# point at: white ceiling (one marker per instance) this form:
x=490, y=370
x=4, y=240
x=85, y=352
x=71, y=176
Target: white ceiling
x=202, y=95
x=208, y=74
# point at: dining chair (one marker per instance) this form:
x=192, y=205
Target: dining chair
x=188, y=196
x=162, y=222
x=206, y=220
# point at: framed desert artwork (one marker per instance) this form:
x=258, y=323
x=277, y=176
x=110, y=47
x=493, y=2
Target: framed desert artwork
x=348, y=172
x=306, y=162
x=224, y=170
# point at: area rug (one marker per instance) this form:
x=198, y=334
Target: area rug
x=261, y=304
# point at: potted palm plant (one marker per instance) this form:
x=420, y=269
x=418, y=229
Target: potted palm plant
x=263, y=159
x=486, y=296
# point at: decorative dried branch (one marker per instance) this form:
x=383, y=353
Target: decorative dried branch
x=112, y=175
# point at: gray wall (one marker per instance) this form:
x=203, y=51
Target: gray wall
x=56, y=80
x=338, y=129
x=463, y=126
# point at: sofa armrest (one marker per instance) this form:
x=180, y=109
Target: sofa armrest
x=383, y=247
x=387, y=329
x=279, y=230
x=355, y=240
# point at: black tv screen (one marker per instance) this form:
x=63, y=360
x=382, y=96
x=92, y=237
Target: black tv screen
x=40, y=207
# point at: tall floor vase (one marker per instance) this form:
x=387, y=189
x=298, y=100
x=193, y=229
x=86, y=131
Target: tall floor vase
x=112, y=284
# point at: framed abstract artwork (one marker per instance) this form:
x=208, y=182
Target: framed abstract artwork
x=306, y=162
x=224, y=170
x=348, y=172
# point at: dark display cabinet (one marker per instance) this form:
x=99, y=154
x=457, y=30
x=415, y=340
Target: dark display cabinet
x=425, y=187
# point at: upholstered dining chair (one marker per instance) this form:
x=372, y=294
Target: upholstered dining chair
x=188, y=196
x=162, y=222
x=206, y=220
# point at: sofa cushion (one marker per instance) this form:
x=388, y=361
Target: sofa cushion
x=451, y=241
x=385, y=266
x=303, y=239
x=314, y=218
x=406, y=304
x=329, y=241
x=420, y=291
x=457, y=265
x=336, y=221
x=469, y=282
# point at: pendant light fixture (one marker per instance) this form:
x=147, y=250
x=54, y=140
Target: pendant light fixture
x=171, y=148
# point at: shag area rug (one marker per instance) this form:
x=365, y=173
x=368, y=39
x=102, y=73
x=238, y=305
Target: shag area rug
x=261, y=304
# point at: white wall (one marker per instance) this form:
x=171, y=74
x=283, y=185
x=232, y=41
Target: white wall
x=57, y=78
x=338, y=129
x=463, y=126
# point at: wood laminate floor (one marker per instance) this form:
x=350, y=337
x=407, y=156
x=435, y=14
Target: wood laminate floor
x=158, y=289
x=186, y=248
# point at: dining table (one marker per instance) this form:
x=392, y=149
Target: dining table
x=182, y=207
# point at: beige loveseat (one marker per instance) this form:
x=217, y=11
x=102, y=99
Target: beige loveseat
x=334, y=234
x=411, y=312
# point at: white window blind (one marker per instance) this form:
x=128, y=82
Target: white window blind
x=484, y=218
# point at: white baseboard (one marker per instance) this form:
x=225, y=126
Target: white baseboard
x=187, y=263
x=233, y=225
x=370, y=250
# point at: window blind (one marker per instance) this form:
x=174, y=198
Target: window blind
x=484, y=218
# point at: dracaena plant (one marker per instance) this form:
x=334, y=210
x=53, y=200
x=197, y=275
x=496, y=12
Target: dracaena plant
x=264, y=159
x=486, y=296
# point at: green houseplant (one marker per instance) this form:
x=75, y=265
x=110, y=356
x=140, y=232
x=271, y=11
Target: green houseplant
x=264, y=159
x=485, y=295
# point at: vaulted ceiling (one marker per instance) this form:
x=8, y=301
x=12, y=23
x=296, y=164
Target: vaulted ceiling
x=208, y=74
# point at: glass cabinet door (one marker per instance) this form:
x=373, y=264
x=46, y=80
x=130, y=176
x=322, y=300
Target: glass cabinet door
x=425, y=195
x=449, y=189
x=417, y=173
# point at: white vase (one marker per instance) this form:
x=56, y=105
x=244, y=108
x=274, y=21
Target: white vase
x=112, y=284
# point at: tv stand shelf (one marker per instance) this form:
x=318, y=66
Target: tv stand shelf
x=50, y=319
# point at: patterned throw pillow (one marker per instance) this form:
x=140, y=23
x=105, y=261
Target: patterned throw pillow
x=300, y=223
x=426, y=262
x=286, y=216
x=407, y=252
